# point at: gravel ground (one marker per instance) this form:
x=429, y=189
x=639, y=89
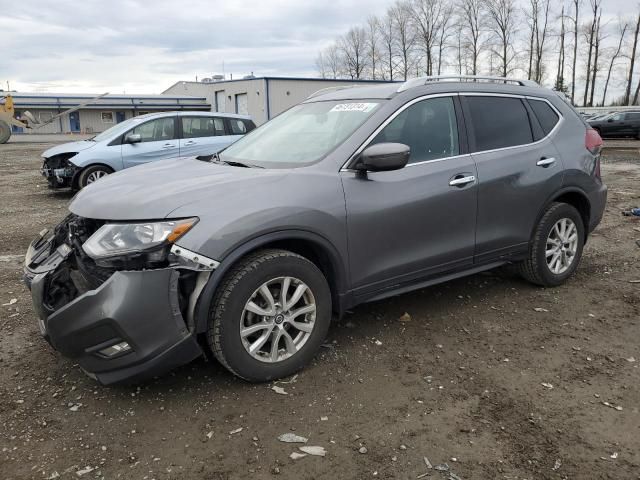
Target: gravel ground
x=489, y=375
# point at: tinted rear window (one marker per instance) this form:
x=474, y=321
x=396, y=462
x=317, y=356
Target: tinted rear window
x=499, y=122
x=546, y=115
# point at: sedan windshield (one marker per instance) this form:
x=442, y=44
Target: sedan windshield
x=300, y=136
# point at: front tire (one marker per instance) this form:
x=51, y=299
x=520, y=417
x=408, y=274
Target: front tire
x=260, y=333
x=556, y=247
x=92, y=174
x=5, y=132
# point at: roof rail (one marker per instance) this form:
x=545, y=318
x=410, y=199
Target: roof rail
x=331, y=89
x=415, y=82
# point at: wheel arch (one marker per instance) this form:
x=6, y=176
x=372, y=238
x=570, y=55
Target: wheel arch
x=76, y=176
x=312, y=246
x=575, y=197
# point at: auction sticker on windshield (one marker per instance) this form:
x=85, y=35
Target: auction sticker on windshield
x=354, y=107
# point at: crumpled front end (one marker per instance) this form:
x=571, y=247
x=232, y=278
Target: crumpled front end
x=121, y=322
x=59, y=171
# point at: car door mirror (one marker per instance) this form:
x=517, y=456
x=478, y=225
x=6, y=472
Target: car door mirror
x=133, y=138
x=610, y=120
x=384, y=157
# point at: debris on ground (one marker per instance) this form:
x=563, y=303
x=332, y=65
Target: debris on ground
x=378, y=342
x=292, y=438
x=10, y=302
x=404, y=318
x=442, y=467
x=634, y=212
x=547, y=385
x=297, y=455
x=427, y=463
x=363, y=450
x=557, y=465
x=84, y=471
x=279, y=390
x=237, y=430
x=540, y=309
x=317, y=451
x=610, y=405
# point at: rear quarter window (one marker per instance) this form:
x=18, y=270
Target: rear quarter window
x=499, y=122
x=546, y=115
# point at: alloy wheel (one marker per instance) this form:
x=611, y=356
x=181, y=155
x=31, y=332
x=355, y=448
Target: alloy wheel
x=278, y=319
x=562, y=246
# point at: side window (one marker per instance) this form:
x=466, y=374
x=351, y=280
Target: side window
x=633, y=116
x=617, y=117
x=194, y=127
x=546, y=115
x=237, y=126
x=218, y=124
x=156, y=130
x=499, y=122
x=249, y=125
x=428, y=127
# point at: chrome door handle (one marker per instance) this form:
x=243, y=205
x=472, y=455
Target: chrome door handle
x=190, y=142
x=545, y=162
x=459, y=182
x=168, y=145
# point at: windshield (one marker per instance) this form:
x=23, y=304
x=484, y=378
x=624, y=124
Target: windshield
x=302, y=135
x=118, y=129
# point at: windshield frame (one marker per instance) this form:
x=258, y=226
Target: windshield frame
x=380, y=103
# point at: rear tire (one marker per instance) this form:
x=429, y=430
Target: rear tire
x=5, y=132
x=245, y=324
x=92, y=174
x=556, y=247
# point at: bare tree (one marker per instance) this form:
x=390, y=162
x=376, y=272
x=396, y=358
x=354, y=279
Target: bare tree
x=404, y=34
x=576, y=23
x=373, y=44
x=595, y=69
x=472, y=14
x=446, y=31
x=427, y=16
x=538, y=16
x=623, y=26
x=591, y=32
x=560, y=86
x=633, y=62
x=333, y=62
x=387, y=40
x=502, y=23
x=353, y=47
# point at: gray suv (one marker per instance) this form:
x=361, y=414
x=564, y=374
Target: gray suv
x=354, y=195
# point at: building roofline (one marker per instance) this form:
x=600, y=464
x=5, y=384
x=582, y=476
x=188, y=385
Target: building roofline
x=296, y=79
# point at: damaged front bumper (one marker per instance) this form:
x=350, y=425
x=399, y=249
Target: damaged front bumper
x=130, y=326
x=59, y=171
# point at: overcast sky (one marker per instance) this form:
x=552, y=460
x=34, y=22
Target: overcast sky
x=145, y=46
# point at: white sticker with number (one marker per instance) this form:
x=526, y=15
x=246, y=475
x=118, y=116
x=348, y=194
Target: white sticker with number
x=353, y=107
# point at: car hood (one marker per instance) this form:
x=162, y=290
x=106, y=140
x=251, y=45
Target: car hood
x=154, y=190
x=68, y=148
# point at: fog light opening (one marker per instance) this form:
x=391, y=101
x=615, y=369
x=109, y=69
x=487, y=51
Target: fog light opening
x=116, y=349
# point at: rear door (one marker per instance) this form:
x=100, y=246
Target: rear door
x=202, y=135
x=518, y=166
x=159, y=140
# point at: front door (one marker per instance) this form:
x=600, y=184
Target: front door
x=120, y=117
x=418, y=221
x=158, y=141
x=74, y=121
x=518, y=170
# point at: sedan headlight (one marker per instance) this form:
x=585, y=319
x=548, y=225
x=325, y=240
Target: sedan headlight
x=114, y=239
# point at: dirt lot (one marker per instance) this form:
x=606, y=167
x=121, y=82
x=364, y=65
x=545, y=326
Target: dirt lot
x=494, y=377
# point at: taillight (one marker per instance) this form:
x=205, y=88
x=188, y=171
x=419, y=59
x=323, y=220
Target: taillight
x=593, y=141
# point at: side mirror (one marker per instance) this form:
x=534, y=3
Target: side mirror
x=610, y=120
x=133, y=138
x=384, y=157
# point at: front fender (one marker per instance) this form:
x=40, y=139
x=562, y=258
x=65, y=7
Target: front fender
x=203, y=305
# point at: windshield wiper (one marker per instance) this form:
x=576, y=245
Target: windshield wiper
x=216, y=158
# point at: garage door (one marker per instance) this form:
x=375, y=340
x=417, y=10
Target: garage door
x=241, y=104
x=220, y=101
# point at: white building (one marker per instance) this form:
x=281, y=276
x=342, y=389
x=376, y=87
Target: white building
x=100, y=114
x=261, y=97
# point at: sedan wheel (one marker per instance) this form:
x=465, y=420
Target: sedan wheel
x=562, y=245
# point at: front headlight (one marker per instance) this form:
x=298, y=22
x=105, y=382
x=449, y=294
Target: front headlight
x=114, y=239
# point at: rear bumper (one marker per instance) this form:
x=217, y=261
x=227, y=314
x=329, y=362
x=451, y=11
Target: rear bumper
x=598, y=201
x=140, y=308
